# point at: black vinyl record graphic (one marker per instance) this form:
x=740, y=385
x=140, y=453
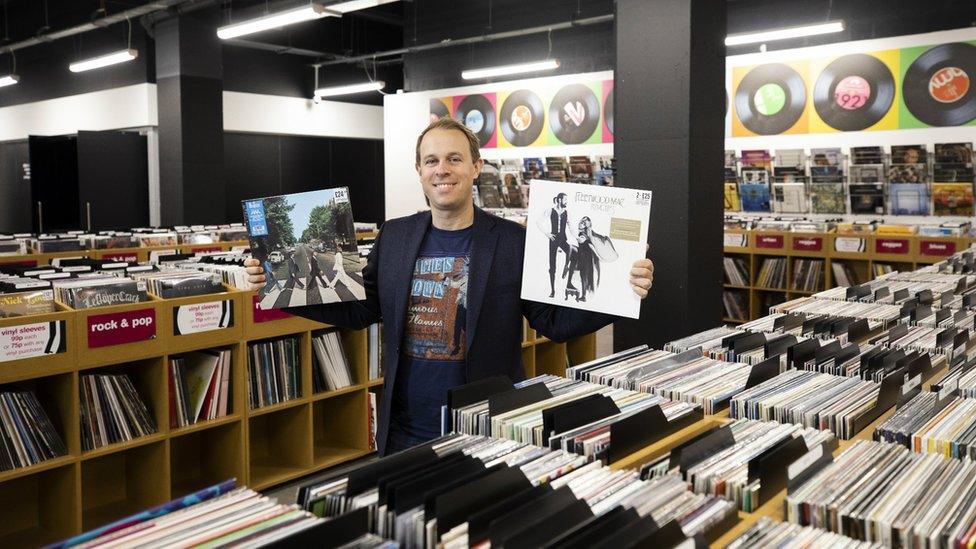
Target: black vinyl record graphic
x=438, y=110
x=854, y=92
x=770, y=99
x=521, y=118
x=574, y=114
x=940, y=86
x=478, y=114
x=608, y=112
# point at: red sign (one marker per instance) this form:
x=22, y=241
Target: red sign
x=121, y=256
x=205, y=250
x=808, y=244
x=938, y=247
x=265, y=315
x=769, y=241
x=119, y=328
x=891, y=246
x=24, y=262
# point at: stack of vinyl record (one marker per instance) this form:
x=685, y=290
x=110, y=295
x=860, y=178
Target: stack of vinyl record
x=772, y=273
x=330, y=365
x=724, y=471
x=736, y=271
x=112, y=411
x=884, y=493
x=273, y=371
x=374, y=351
x=229, y=267
x=811, y=306
x=199, y=384
x=27, y=433
x=170, y=283
x=931, y=425
x=105, y=291
x=767, y=533
x=463, y=490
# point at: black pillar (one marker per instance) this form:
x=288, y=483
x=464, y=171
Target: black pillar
x=189, y=87
x=669, y=103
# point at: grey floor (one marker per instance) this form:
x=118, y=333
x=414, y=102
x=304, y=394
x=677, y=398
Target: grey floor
x=288, y=493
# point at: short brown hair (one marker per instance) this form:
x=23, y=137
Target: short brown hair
x=448, y=123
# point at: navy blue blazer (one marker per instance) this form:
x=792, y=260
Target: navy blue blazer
x=495, y=310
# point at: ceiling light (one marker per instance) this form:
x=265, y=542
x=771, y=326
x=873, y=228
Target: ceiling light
x=351, y=88
x=520, y=68
x=8, y=80
x=783, y=34
x=354, y=5
x=104, y=61
x=275, y=20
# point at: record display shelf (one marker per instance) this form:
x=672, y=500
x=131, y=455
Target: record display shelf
x=120, y=254
x=863, y=256
x=261, y=447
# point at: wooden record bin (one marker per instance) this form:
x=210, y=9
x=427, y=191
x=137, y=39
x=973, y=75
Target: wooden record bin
x=864, y=256
x=261, y=447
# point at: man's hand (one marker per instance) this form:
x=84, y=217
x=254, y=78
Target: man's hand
x=552, y=237
x=642, y=276
x=255, y=273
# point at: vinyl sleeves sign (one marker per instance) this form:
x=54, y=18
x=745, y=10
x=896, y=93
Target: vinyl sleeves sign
x=32, y=340
x=203, y=317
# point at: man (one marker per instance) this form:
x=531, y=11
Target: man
x=406, y=281
x=553, y=224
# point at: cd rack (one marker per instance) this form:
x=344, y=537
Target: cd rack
x=262, y=447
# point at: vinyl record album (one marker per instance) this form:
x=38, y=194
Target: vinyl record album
x=521, y=118
x=478, y=114
x=608, y=111
x=770, y=99
x=438, y=110
x=854, y=92
x=574, y=114
x=940, y=86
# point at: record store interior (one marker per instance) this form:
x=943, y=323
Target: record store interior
x=737, y=310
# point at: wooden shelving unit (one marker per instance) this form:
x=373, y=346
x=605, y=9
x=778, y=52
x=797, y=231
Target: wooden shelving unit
x=862, y=253
x=260, y=447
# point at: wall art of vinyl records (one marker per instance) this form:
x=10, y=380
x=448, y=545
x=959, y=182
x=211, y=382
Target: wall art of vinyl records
x=608, y=111
x=574, y=114
x=521, y=118
x=439, y=108
x=939, y=85
x=854, y=92
x=769, y=99
x=477, y=112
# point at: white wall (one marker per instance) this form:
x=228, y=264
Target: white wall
x=405, y=115
x=251, y=112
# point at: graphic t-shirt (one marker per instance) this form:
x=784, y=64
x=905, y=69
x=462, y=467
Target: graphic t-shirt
x=433, y=352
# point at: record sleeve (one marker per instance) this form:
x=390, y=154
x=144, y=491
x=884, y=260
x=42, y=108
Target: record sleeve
x=754, y=196
x=867, y=198
x=909, y=199
x=952, y=198
x=580, y=244
x=307, y=245
x=908, y=154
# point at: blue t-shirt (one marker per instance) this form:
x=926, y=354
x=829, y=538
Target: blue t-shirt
x=433, y=352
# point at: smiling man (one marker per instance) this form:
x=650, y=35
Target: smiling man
x=446, y=284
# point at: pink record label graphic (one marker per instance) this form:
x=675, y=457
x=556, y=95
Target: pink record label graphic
x=949, y=85
x=521, y=118
x=852, y=92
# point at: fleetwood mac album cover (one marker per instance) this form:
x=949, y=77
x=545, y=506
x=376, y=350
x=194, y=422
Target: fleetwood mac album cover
x=307, y=245
x=580, y=243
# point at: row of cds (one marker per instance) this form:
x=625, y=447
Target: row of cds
x=27, y=435
x=464, y=490
x=928, y=424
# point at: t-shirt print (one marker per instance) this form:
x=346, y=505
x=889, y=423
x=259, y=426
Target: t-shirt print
x=437, y=310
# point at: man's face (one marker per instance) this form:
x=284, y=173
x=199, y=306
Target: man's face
x=446, y=170
x=560, y=202
x=911, y=156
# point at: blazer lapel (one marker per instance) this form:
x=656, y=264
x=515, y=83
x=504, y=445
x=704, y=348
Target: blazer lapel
x=483, y=241
x=404, y=270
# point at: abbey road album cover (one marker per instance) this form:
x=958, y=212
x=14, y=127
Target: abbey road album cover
x=307, y=245
x=580, y=244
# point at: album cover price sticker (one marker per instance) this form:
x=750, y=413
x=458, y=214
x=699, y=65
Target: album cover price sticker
x=32, y=340
x=119, y=328
x=203, y=317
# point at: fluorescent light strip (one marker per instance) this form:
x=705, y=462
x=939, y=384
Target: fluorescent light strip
x=275, y=20
x=355, y=5
x=351, y=88
x=784, y=34
x=520, y=68
x=104, y=61
x=8, y=80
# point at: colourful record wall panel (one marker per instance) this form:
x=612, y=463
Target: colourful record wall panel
x=575, y=114
x=770, y=99
x=440, y=107
x=478, y=113
x=521, y=119
x=854, y=92
x=938, y=85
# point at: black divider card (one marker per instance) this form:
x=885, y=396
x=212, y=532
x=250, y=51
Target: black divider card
x=588, y=533
x=748, y=343
x=632, y=433
x=635, y=534
x=479, y=522
x=453, y=507
x=408, y=494
x=477, y=391
x=516, y=398
x=946, y=298
x=941, y=315
x=896, y=333
x=881, y=293
x=328, y=534
x=858, y=331
x=900, y=295
x=366, y=477
x=776, y=347
x=540, y=534
x=803, y=468
x=388, y=485
x=669, y=535
x=925, y=297
x=770, y=467
x=887, y=397
x=702, y=446
x=764, y=371
x=909, y=390
x=531, y=515
x=803, y=351
x=577, y=413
